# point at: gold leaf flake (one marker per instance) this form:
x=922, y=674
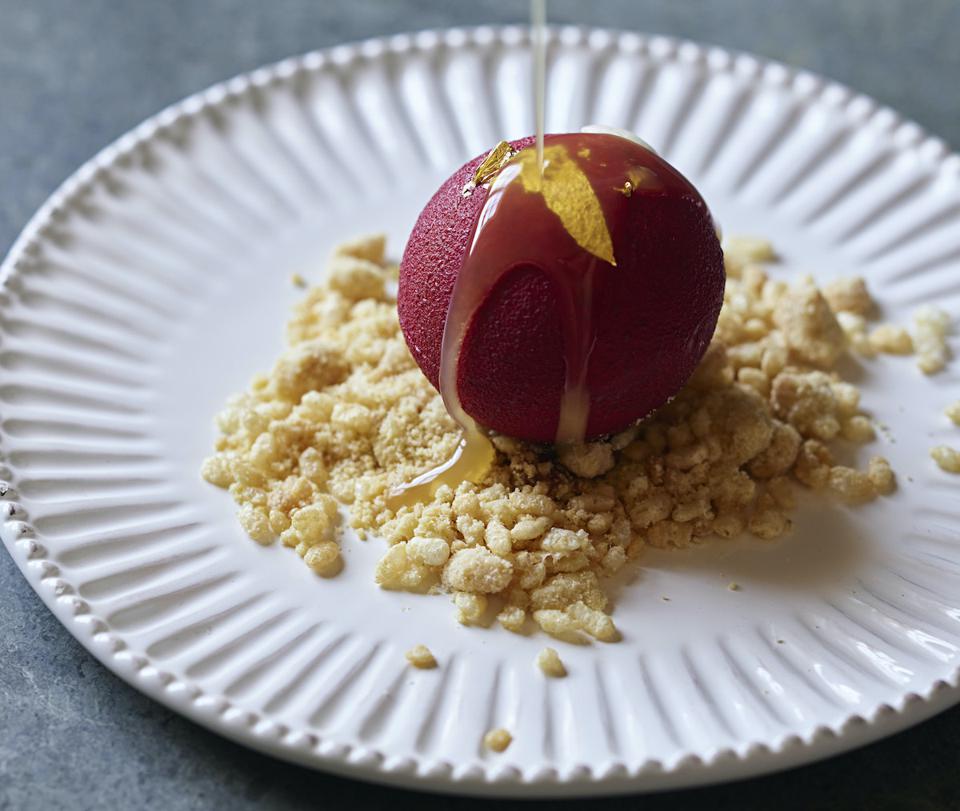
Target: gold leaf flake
x=568, y=194
x=493, y=163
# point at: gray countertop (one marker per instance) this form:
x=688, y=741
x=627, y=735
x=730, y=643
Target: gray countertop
x=75, y=74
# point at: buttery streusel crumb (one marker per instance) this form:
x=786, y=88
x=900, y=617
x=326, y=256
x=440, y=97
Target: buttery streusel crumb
x=345, y=415
x=881, y=475
x=420, y=657
x=751, y=249
x=947, y=458
x=953, y=412
x=849, y=295
x=548, y=660
x=891, y=339
x=497, y=740
x=858, y=429
x=931, y=326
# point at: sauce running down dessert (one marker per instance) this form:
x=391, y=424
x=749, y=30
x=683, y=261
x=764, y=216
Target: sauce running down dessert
x=554, y=209
x=564, y=221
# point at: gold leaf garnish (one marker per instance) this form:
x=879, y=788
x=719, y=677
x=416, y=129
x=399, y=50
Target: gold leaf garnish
x=493, y=163
x=568, y=194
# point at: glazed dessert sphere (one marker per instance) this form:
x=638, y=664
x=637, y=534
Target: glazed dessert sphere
x=653, y=310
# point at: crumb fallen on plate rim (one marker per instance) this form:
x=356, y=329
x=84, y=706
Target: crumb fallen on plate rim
x=497, y=740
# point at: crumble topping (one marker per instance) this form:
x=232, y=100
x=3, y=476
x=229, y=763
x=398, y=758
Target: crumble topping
x=345, y=415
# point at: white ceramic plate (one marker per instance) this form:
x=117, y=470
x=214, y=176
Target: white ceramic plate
x=156, y=282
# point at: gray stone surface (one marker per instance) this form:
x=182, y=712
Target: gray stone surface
x=74, y=74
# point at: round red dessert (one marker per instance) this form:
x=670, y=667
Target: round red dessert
x=652, y=315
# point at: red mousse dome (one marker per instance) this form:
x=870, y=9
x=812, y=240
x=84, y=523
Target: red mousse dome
x=653, y=314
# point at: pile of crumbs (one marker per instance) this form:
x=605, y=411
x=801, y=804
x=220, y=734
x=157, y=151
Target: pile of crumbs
x=345, y=415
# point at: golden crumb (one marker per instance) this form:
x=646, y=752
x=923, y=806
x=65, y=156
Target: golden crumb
x=947, y=458
x=370, y=247
x=848, y=295
x=513, y=618
x=928, y=341
x=733, y=586
x=345, y=415
x=297, y=280
x=548, y=660
x=477, y=570
x=497, y=740
x=953, y=412
x=421, y=658
x=855, y=329
x=852, y=486
x=881, y=475
x=324, y=558
x=750, y=249
x=575, y=618
x=858, y=429
x=809, y=326
x=891, y=339
x=931, y=326
x=470, y=607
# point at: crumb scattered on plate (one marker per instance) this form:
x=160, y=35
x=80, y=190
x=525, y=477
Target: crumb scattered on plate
x=548, y=660
x=497, y=740
x=421, y=657
x=947, y=458
x=345, y=415
x=953, y=412
x=931, y=326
